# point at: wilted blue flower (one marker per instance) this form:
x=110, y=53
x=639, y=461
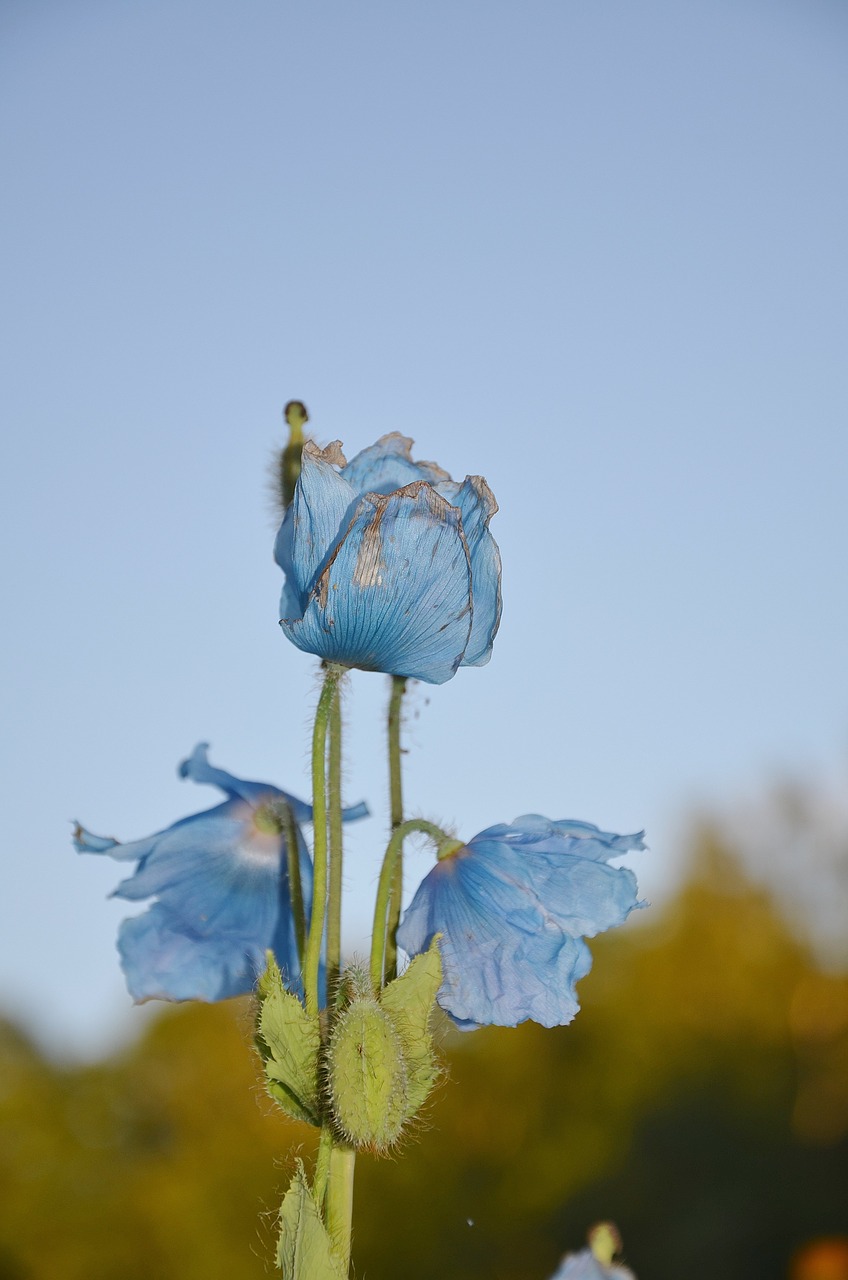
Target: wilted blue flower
x=220, y=880
x=389, y=563
x=513, y=907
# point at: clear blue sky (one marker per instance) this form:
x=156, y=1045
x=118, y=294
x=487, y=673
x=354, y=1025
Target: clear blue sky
x=592, y=249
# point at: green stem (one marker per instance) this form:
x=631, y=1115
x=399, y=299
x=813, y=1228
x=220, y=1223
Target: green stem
x=334, y=908
x=388, y=872
x=396, y=806
x=295, y=883
x=339, y=1210
x=312, y=957
x=322, y=1165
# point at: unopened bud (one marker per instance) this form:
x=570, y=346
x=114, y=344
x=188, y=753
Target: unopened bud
x=367, y=1076
x=296, y=416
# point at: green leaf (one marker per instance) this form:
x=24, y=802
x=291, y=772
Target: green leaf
x=289, y=1041
x=304, y=1251
x=409, y=1001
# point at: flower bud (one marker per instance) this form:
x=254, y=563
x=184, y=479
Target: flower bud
x=289, y=467
x=367, y=1076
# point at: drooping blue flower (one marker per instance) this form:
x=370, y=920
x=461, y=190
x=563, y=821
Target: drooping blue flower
x=221, y=888
x=389, y=564
x=513, y=907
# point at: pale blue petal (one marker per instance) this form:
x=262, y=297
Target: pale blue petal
x=396, y=596
x=513, y=907
x=587, y=840
x=314, y=523
x=86, y=842
x=163, y=961
x=387, y=466
x=220, y=881
x=477, y=504
x=503, y=962
x=198, y=768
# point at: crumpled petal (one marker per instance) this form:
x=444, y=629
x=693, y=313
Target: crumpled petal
x=315, y=520
x=220, y=880
x=513, y=907
x=387, y=465
x=417, y=587
x=477, y=505
x=396, y=595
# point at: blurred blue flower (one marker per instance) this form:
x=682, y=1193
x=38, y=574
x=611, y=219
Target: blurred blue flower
x=596, y=1262
x=389, y=563
x=585, y=1266
x=220, y=880
x=513, y=907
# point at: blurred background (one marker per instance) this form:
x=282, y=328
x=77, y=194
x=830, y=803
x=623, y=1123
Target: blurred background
x=597, y=253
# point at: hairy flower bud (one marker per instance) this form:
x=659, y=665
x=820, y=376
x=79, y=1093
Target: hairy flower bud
x=367, y=1076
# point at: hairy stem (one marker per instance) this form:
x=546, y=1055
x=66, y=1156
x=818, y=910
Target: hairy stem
x=312, y=958
x=338, y=1217
x=396, y=807
x=334, y=905
x=379, y=937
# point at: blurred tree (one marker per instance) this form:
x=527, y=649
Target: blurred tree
x=700, y=1099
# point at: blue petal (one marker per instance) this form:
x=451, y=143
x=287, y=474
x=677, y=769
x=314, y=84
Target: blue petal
x=87, y=842
x=162, y=960
x=387, y=466
x=514, y=906
x=314, y=523
x=221, y=883
x=543, y=834
x=198, y=768
x=216, y=872
x=477, y=505
x=396, y=596
x=503, y=962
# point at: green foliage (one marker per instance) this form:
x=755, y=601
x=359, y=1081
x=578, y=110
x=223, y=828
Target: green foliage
x=700, y=1100
x=304, y=1251
x=289, y=1043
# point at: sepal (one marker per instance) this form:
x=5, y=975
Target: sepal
x=409, y=1001
x=304, y=1251
x=289, y=1042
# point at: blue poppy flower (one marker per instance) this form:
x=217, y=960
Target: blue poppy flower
x=220, y=880
x=389, y=564
x=513, y=907
x=596, y=1262
x=585, y=1266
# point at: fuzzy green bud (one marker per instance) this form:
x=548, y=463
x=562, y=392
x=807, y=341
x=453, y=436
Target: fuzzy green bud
x=290, y=459
x=367, y=1076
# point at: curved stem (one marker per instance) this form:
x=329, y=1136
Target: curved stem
x=384, y=890
x=396, y=808
x=334, y=906
x=312, y=958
